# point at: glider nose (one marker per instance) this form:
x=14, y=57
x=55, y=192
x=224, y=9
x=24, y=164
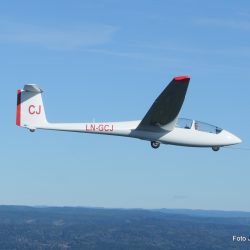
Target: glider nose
x=236, y=140
x=233, y=139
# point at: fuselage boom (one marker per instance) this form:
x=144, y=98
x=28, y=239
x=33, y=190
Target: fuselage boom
x=178, y=136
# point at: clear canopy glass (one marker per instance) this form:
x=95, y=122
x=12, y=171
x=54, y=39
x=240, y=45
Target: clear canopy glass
x=197, y=125
x=205, y=127
x=184, y=123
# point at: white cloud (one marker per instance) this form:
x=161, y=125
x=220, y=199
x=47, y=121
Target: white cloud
x=60, y=37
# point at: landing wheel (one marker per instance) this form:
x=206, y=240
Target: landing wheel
x=155, y=144
x=216, y=148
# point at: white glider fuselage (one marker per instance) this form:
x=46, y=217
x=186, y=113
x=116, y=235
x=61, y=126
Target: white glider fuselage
x=160, y=125
x=178, y=136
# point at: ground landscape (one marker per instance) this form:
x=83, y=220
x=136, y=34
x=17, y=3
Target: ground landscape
x=96, y=228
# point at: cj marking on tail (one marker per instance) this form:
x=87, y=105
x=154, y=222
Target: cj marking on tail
x=33, y=110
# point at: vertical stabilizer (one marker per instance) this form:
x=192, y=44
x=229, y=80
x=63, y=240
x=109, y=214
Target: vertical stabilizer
x=30, y=111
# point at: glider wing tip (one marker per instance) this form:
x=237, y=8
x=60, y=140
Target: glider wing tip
x=180, y=78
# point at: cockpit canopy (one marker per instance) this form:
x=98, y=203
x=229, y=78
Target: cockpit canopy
x=197, y=125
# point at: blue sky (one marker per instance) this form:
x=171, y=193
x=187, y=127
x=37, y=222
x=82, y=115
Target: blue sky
x=108, y=61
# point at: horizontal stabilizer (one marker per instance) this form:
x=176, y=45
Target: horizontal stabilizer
x=32, y=88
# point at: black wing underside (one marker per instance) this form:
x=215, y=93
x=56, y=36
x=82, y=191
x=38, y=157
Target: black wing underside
x=167, y=106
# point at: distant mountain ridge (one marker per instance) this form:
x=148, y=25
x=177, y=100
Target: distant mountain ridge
x=177, y=211
x=205, y=213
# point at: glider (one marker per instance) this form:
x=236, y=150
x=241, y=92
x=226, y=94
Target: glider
x=160, y=125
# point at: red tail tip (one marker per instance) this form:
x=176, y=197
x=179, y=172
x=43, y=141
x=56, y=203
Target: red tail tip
x=18, y=110
x=179, y=78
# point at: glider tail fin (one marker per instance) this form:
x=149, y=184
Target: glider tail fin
x=30, y=111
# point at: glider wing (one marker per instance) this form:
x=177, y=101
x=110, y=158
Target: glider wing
x=164, y=111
